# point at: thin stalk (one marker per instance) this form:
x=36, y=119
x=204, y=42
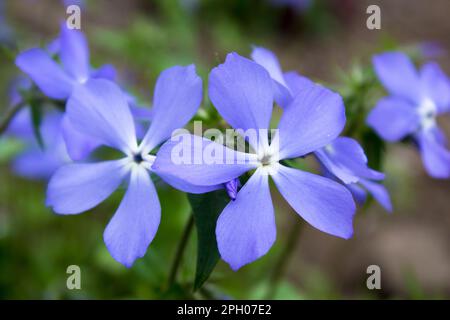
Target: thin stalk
x=180, y=250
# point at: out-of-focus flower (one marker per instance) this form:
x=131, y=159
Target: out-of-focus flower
x=431, y=49
x=343, y=158
x=100, y=109
x=298, y=5
x=57, y=81
x=242, y=92
x=36, y=162
x=415, y=100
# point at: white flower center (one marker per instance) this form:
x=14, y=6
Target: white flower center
x=427, y=111
x=268, y=161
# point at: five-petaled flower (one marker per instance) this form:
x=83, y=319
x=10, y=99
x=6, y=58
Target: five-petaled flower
x=99, y=108
x=416, y=99
x=242, y=92
x=58, y=81
x=342, y=159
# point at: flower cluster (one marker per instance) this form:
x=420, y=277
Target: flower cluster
x=94, y=111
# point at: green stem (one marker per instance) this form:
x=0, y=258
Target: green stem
x=180, y=250
x=283, y=261
x=10, y=113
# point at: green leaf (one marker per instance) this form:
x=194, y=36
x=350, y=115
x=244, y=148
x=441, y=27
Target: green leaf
x=36, y=119
x=206, y=209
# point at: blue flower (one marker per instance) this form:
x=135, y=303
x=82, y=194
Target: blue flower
x=415, y=101
x=242, y=92
x=343, y=158
x=35, y=162
x=100, y=109
x=59, y=81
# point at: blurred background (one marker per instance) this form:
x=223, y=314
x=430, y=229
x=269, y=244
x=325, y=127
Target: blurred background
x=326, y=40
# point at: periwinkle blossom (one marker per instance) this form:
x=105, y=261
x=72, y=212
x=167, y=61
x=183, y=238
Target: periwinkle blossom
x=58, y=81
x=343, y=158
x=242, y=92
x=100, y=109
x=38, y=162
x=416, y=99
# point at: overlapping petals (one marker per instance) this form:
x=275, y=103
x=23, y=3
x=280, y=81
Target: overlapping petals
x=345, y=161
x=241, y=90
x=322, y=120
x=177, y=96
x=99, y=109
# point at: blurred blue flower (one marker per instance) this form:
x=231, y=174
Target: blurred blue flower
x=36, y=162
x=431, y=49
x=58, y=81
x=343, y=158
x=298, y=5
x=100, y=109
x=416, y=99
x=242, y=92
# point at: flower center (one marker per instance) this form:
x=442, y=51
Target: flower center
x=427, y=111
x=266, y=159
x=137, y=158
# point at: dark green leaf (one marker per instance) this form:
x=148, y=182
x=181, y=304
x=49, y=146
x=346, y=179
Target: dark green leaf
x=206, y=209
x=36, y=120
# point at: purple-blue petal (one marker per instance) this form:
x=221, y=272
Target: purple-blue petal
x=200, y=161
x=322, y=202
x=313, y=119
x=75, y=188
x=296, y=82
x=242, y=92
x=231, y=188
x=46, y=73
x=435, y=157
x=79, y=145
x=74, y=53
x=379, y=192
x=436, y=86
x=99, y=109
x=359, y=194
x=398, y=75
x=177, y=96
x=107, y=71
x=269, y=61
x=393, y=119
x=134, y=225
x=246, y=228
x=345, y=158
